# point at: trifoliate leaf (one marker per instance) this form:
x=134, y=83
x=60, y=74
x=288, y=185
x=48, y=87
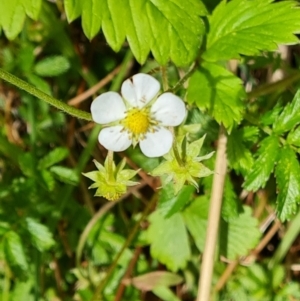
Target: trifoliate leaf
x=215, y=89
x=40, y=235
x=52, y=66
x=12, y=18
x=168, y=240
x=14, y=253
x=170, y=29
x=263, y=165
x=289, y=117
x=248, y=27
x=287, y=177
x=239, y=156
x=239, y=234
x=294, y=137
x=53, y=157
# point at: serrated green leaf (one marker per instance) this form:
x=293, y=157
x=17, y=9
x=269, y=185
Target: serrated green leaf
x=12, y=18
x=263, y=165
x=287, y=178
x=271, y=115
x=52, y=66
x=230, y=201
x=169, y=203
x=239, y=156
x=241, y=235
x=14, y=253
x=53, y=157
x=248, y=27
x=32, y=8
x=195, y=218
x=170, y=29
x=289, y=117
x=40, y=235
x=64, y=174
x=294, y=137
x=73, y=9
x=168, y=240
x=217, y=90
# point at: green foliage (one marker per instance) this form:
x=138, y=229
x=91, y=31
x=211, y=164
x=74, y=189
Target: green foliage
x=52, y=66
x=141, y=24
x=169, y=240
x=14, y=254
x=264, y=164
x=287, y=177
x=215, y=89
x=248, y=27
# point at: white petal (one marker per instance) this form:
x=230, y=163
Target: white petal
x=169, y=109
x=114, y=139
x=157, y=144
x=108, y=107
x=140, y=89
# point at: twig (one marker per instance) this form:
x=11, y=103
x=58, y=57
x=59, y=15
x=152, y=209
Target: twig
x=128, y=273
x=91, y=91
x=213, y=219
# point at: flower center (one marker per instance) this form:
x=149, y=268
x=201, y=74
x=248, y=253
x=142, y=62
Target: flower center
x=137, y=121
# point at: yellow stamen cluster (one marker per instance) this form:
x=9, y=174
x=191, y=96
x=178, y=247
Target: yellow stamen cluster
x=137, y=121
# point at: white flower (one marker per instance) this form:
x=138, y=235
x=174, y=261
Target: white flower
x=139, y=116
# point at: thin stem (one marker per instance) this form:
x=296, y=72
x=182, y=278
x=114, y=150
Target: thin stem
x=185, y=78
x=43, y=96
x=274, y=87
x=175, y=149
x=110, y=165
x=213, y=219
x=99, y=289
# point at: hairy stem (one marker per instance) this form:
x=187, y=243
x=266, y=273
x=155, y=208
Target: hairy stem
x=213, y=219
x=43, y=96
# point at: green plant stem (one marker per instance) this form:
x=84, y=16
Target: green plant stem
x=43, y=96
x=175, y=149
x=99, y=289
x=274, y=87
x=164, y=78
x=286, y=242
x=207, y=266
x=184, y=79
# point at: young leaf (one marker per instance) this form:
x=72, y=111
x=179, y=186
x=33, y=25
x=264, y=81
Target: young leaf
x=289, y=117
x=264, y=164
x=169, y=240
x=287, y=177
x=14, y=253
x=52, y=66
x=64, y=174
x=214, y=88
x=12, y=18
x=239, y=235
x=40, y=235
x=53, y=157
x=248, y=27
